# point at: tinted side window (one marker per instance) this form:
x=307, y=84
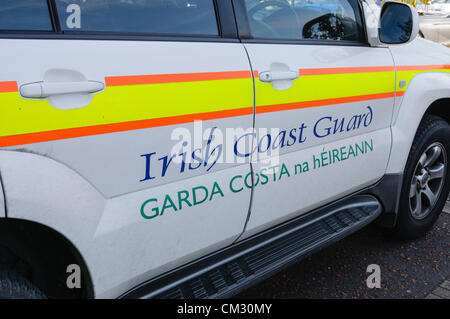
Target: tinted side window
x=26, y=15
x=181, y=17
x=305, y=19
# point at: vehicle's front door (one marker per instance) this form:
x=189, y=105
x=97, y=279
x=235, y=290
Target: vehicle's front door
x=324, y=102
x=136, y=97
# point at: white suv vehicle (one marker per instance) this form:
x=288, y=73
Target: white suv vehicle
x=190, y=148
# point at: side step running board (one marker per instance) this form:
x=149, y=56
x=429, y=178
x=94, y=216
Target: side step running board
x=241, y=265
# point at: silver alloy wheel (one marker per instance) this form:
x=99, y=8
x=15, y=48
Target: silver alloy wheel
x=427, y=181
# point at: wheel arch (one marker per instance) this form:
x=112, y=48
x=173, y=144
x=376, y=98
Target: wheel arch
x=427, y=93
x=41, y=255
x=438, y=108
x=59, y=207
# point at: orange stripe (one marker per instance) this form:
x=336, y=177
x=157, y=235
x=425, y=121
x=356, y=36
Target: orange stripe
x=30, y=138
x=182, y=119
x=307, y=104
x=117, y=127
x=10, y=86
x=422, y=67
x=324, y=71
x=174, y=78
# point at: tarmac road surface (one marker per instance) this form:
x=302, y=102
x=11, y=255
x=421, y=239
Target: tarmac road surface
x=409, y=269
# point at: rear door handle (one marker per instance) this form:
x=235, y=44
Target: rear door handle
x=271, y=76
x=47, y=89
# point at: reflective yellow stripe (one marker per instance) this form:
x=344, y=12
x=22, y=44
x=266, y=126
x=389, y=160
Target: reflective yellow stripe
x=408, y=72
x=323, y=87
x=126, y=103
x=136, y=102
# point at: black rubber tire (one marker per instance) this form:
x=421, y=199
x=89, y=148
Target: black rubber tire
x=431, y=129
x=14, y=286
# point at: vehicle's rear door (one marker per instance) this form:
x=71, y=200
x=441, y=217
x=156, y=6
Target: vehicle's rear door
x=136, y=97
x=324, y=102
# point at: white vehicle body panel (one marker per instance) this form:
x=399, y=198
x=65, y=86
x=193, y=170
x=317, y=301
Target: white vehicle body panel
x=312, y=189
x=422, y=91
x=93, y=189
x=89, y=188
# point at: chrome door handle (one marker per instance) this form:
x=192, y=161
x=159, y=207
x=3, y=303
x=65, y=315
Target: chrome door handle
x=47, y=89
x=271, y=76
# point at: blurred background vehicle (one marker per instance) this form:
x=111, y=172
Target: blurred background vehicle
x=435, y=28
x=434, y=7
x=435, y=20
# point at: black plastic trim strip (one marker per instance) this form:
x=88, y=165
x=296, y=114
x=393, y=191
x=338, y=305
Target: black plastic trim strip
x=109, y=37
x=243, y=26
x=388, y=191
x=2, y=189
x=307, y=42
x=363, y=22
x=54, y=15
x=226, y=19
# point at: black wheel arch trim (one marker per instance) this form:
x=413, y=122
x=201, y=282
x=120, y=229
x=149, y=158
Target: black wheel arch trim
x=41, y=251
